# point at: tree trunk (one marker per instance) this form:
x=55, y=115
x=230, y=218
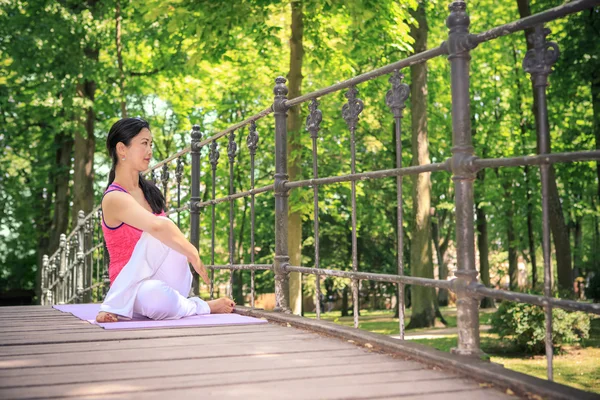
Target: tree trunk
x=596, y=119
x=440, y=251
x=596, y=243
x=557, y=222
x=523, y=127
x=60, y=221
x=513, y=269
x=294, y=127
x=483, y=245
x=85, y=143
x=345, y=301
x=530, y=234
x=119, y=45
x=43, y=225
x=423, y=309
x=578, y=242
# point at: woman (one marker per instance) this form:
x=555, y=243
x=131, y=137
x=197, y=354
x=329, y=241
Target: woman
x=149, y=255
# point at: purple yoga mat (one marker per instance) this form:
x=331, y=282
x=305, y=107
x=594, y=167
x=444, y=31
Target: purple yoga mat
x=88, y=312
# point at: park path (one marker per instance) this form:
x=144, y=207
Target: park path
x=45, y=353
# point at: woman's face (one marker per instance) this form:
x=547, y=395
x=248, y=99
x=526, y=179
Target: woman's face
x=139, y=152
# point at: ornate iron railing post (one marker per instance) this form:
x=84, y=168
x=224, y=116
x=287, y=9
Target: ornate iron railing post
x=179, y=176
x=252, y=143
x=51, y=278
x=231, y=153
x=350, y=113
x=282, y=258
x=538, y=62
x=44, y=293
x=396, y=100
x=313, y=125
x=195, y=198
x=88, y=259
x=80, y=255
x=459, y=45
x=164, y=179
x=213, y=157
x=62, y=266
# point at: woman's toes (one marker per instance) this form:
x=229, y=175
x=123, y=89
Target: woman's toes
x=104, y=317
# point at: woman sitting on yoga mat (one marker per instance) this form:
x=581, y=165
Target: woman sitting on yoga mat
x=149, y=255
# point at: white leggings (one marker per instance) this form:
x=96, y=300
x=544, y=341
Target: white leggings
x=154, y=283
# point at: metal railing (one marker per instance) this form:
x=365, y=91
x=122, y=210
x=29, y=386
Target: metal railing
x=463, y=166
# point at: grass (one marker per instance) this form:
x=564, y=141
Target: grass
x=578, y=366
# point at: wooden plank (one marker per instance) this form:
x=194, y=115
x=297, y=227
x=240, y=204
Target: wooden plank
x=475, y=394
x=63, y=348
x=175, y=352
x=114, y=335
x=48, y=329
x=358, y=385
x=151, y=370
x=25, y=309
x=112, y=369
x=300, y=378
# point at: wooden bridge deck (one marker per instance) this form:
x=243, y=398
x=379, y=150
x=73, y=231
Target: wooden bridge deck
x=46, y=354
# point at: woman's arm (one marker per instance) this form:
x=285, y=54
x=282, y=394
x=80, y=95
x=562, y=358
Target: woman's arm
x=123, y=207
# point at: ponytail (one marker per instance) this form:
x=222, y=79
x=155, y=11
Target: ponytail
x=111, y=176
x=153, y=195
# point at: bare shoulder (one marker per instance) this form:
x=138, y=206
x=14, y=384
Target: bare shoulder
x=115, y=198
x=121, y=207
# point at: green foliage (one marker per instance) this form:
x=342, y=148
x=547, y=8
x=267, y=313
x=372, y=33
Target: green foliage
x=213, y=63
x=525, y=325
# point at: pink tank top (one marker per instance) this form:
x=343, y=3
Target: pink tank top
x=120, y=240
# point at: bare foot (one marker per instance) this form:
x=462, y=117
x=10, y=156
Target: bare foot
x=104, y=317
x=221, y=306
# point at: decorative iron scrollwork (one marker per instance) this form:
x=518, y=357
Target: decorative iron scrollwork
x=252, y=139
x=231, y=147
x=538, y=61
x=314, y=118
x=214, y=154
x=179, y=170
x=397, y=95
x=352, y=108
x=165, y=176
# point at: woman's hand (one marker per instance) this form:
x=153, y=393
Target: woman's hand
x=199, y=268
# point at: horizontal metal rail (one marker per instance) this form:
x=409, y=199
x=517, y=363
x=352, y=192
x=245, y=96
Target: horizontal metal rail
x=204, y=142
x=531, y=21
x=551, y=158
x=177, y=210
x=571, y=305
x=96, y=247
x=414, y=170
x=368, y=276
x=244, y=267
x=235, y=196
x=237, y=126
x=476, y=289
x=94, y=286
x=407, y=62
x=168, y=160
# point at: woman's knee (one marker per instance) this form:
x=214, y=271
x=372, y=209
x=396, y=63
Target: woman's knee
x=156, y=300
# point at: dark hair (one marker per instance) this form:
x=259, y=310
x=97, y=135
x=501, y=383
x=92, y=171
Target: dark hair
x=123, y=131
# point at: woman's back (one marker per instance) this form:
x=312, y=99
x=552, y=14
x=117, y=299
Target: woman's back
x=120, y=240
